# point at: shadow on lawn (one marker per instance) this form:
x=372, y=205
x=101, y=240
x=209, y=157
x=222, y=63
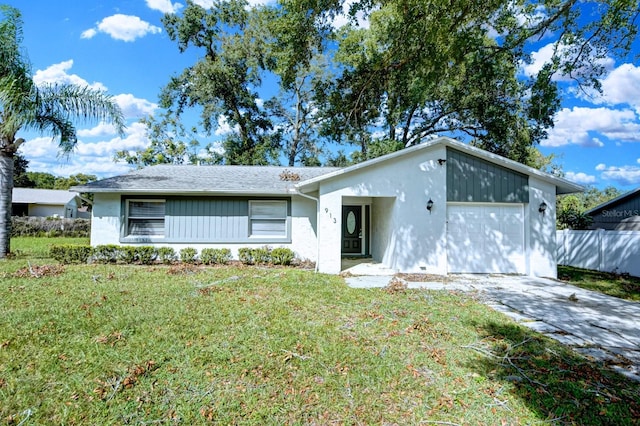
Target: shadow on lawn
x=555, y=382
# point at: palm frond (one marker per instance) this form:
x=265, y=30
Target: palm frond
x=80, y=104
x=17, y=100
x=59, y=127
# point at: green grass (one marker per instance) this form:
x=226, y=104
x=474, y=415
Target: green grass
x=38, y=248
x=107, y=344
x=622, y=286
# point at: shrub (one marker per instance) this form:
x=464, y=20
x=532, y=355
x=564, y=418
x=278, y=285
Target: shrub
x=67, y=253
x=245, y=255
x=106, y=253
x=282, y=256
x=262, y=255
x=188, y=255
x=127, y=254
x=146, y=254
x=166, y=255
x=49, y=227
x=256, y=256
x=211, y=256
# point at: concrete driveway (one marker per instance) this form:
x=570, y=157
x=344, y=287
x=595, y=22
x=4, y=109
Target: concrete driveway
x=602, y=327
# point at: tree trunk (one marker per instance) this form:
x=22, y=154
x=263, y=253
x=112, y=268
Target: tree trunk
x=6, y=188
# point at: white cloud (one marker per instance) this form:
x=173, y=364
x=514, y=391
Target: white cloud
x=88, y=157
x=620, y=87
x=580, y=177
x=102, y=129
x=623, y=175
x=101, y=167
x=578, y=126
x=122, y=27
x=360, y=20
x=57, y=73
x=90, y=33
x=204, y=3
x=133, y=107
x=40, y=147
x=224, y=128
x=543, y=56
x=164, y=6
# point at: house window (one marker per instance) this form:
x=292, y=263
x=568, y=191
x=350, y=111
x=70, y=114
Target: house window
x=145, y=218
x=268, y=218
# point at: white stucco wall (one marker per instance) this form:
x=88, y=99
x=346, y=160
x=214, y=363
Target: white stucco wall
x=106, y=217
x=303, y=228
x=411, y=239
x=540, y=230
x=46, y=210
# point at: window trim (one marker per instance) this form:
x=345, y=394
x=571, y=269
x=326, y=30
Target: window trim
x=286, y=218
x=127, y=236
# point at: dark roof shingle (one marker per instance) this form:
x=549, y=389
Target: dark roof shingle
x=180, y=179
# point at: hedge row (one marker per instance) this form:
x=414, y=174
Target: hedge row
x=147, y=255
x=25, y=226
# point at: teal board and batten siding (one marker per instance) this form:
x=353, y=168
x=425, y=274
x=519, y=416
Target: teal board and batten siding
x=209, y=219
x=471, y=179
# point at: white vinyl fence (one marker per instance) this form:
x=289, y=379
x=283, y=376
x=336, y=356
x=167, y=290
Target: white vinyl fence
x=600, y=250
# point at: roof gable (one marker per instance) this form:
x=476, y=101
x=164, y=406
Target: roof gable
x=563, y=186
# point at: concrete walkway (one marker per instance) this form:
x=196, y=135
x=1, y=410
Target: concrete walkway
x=602, y=327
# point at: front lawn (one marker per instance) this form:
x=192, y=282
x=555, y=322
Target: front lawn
x=104, y=344
x=622, y=286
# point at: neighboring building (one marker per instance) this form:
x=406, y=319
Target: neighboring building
x=45, y=203
x=439, y=207
x=620, y=214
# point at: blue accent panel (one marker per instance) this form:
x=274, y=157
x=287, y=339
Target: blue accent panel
x=206, y=220
x=471, y=179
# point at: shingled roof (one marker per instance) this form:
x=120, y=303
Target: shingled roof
x=41, y=196
x=188, y=179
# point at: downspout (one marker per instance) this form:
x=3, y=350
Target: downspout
x=317, y=200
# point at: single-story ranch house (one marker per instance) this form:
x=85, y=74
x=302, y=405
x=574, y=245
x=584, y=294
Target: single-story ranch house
x=45, y=203
x=438, y=207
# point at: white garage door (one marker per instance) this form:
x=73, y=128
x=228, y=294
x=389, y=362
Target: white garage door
x=485, y=238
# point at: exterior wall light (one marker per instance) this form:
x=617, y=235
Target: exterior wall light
x=441, y=161
x=543, y=207
x=429, y=205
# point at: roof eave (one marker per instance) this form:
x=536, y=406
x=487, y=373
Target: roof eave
x=157, y=191
x=563, y=186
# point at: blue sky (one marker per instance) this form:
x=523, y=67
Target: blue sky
x=120, y=46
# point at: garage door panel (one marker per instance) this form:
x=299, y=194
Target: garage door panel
x=485, y=238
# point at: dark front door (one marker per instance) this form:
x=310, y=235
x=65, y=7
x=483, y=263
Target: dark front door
x=352, y=229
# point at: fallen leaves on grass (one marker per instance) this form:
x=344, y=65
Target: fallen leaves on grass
x=111, y=339
x=39, y=271
x=425, y=327
x=396, y=285
x=182, y=269
x=107, y=389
